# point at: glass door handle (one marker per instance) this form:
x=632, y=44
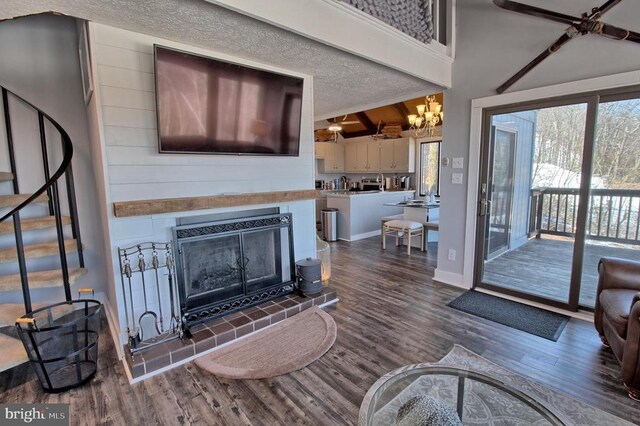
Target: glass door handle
x=484, y=204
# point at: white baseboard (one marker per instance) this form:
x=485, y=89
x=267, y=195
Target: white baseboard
x=450, y=278
x=112, y=320
x=365, y=235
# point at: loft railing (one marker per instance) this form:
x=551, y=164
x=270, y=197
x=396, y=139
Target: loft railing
x=52, y=191
x=613, y=215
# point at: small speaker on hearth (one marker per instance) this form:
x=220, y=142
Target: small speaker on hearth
x=309, y=276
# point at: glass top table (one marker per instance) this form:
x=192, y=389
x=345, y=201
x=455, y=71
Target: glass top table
x=476, y=397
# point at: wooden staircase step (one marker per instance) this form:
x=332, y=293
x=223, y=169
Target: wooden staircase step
x=12, y=200
x=42, y=279
x=33, y=251
x=6, y=227
x=11, y=352
x=10, y=311
x=6, y=176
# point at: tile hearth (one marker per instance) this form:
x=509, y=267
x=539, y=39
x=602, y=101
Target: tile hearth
x=220, y=331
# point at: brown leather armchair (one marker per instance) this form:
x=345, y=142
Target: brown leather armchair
x=617, y=316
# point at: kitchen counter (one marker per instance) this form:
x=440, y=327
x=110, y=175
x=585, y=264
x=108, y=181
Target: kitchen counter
x=415, y=204
x=347, y=193
x=359, y=213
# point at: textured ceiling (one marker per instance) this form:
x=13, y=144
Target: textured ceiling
x=341, y=81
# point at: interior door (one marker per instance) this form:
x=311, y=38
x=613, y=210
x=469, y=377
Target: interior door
x=500, y=194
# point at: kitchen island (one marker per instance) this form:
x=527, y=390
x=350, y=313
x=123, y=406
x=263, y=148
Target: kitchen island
x=359, y=213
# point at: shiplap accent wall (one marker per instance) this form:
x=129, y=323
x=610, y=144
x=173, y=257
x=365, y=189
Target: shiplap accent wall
x=134, y=170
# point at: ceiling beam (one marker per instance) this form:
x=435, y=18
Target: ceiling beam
x=404, y=112
x=366, y=122
x=402, y=109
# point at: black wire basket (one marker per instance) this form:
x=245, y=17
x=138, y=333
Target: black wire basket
x=62, y=343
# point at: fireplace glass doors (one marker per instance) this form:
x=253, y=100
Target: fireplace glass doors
x=212, y=267
x=227, y=265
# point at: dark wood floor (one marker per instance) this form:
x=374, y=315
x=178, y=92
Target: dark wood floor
x=390, y=314
x=542, y=267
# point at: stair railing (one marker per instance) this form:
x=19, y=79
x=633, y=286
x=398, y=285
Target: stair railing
x=51, y=189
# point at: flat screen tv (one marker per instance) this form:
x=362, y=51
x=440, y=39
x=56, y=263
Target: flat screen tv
x=209, y=106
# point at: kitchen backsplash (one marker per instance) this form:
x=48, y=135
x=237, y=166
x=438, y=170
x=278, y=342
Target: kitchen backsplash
x=357, y=177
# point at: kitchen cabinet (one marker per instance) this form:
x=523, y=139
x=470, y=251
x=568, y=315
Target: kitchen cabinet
x=351, y=157
x=320, y=149
x=373, y=156
x=362, y=157
x=334, y=158
x=398, y=156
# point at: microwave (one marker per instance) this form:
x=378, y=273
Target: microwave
x=319, y=184
x=371, y=185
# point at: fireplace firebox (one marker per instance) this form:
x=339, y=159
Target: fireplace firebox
x=227, y=265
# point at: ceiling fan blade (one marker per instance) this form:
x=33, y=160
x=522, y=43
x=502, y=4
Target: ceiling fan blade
x=604, y=8
x=541, y=57
x=536, y=11
x=618, y=33
x=350, y=122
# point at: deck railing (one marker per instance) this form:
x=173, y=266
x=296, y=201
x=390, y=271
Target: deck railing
x=613, y=215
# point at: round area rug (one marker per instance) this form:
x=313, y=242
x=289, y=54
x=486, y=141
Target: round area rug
x=287, y=346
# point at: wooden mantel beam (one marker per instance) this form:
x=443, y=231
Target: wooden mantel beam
x=173, y=205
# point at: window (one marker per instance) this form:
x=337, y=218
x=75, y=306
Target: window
x=439, y=19
x=430, y=168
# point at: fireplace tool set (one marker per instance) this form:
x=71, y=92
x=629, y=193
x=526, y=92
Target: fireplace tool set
x=142, y=268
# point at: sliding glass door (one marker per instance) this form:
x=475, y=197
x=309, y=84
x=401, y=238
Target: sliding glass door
x=559, y=189
x=612, y=223
x=531, y=177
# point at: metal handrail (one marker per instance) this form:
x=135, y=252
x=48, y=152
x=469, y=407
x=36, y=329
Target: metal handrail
x=51, y=187
x=67, y=149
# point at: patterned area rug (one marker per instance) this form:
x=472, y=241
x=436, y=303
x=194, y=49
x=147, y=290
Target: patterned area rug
x=483, y=404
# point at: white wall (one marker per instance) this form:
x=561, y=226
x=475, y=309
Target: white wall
x=492, y=45
x=40, y=63
x=134, y=170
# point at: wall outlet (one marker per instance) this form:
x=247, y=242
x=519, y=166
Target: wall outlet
x=458, y=163
x=456, y=178
x=452, y=254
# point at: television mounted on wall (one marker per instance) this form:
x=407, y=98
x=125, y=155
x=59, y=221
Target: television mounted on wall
x=209, y=106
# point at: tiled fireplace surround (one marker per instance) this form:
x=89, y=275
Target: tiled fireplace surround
x=214, y=333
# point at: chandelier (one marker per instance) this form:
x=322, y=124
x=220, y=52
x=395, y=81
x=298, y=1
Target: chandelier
x=429, y=115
